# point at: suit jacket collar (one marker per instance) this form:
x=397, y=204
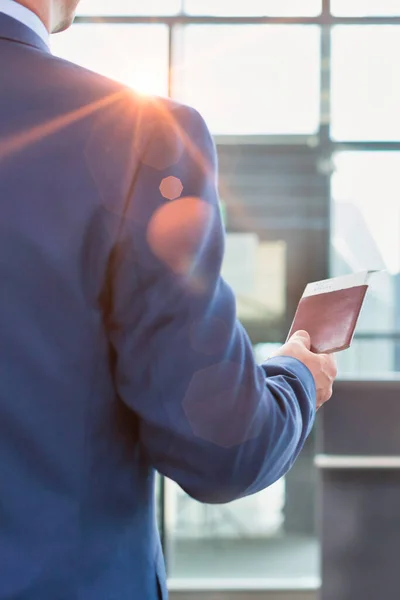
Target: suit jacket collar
x=13, y=30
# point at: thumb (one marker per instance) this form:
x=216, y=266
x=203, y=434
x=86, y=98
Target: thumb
x=303, y=337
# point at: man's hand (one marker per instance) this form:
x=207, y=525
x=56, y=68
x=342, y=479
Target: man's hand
x=322, y=366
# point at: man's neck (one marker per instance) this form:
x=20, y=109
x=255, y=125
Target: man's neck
x=41, y=8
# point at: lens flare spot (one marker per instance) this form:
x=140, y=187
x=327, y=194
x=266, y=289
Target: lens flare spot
x=177, y=232
x=159, y=144
x=171, y=188
x=219, y=406
x=209, y=336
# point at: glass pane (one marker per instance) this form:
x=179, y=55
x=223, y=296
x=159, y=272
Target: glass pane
x=365, y=8
x=368, y=358
x=365, y=83
x=129, y=7
x=366, y=235
x=256, y=271
x=244, y=540
x=253, y=7
x=366, y=210
x=251, y=79
x=136, y=55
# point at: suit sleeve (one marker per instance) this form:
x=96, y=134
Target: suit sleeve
x=211, y=419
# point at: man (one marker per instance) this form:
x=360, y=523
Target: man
x=120, y=349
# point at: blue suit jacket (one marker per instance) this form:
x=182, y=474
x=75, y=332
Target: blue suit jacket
x=117, y=358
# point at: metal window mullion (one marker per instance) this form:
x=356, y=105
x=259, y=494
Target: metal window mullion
x=324, y=147
x=170, y=60
x=182, y=19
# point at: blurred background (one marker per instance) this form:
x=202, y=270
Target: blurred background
x=303, y=99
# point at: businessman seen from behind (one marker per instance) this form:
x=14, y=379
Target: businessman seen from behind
x=120, y=352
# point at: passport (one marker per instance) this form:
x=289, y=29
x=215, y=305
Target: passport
x=329, y=311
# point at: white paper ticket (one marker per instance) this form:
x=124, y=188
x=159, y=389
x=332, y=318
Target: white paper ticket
x=338, y=283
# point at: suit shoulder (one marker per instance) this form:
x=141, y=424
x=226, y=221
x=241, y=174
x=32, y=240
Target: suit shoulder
x=90, y=86
x=83, y=79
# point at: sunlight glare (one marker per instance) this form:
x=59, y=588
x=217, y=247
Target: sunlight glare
x=147, y=82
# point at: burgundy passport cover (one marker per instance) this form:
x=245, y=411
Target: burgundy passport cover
x=330, y=318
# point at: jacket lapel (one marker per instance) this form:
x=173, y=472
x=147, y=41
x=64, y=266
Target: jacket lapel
x=13, y=30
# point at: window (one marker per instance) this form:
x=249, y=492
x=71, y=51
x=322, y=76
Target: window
x=202, y=538
x=365, y=83
x=366, y=235
x=306, y=8
x=366, y=211
x=251, y=79
x=370, y=356
x=255, y=269
x=365, y=8
x=136, y=55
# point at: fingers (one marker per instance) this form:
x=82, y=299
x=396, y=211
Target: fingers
x=328, y=372
x=324, y=395
x=329, y=365
x=302, y=337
